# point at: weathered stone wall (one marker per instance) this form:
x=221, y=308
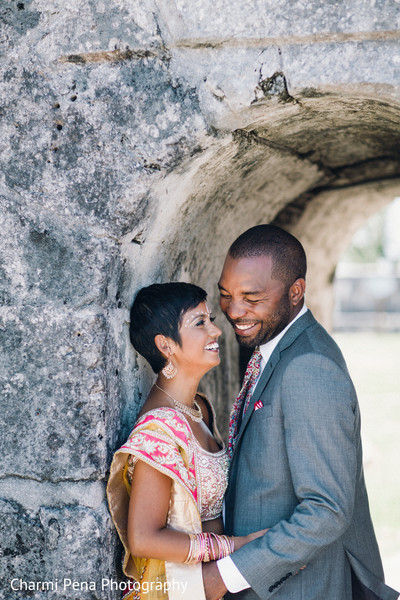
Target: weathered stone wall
x=137, y=140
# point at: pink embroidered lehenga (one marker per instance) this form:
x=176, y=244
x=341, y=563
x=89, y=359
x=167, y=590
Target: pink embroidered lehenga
x=164, y=439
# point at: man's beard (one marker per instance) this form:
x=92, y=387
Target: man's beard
x=269, y=329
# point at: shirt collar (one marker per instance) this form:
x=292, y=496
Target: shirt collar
x=268, y=348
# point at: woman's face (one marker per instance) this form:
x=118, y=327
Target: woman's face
x=199, y=350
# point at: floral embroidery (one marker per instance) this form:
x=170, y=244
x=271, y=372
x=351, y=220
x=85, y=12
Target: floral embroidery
x=213, y=467
x=164, y=438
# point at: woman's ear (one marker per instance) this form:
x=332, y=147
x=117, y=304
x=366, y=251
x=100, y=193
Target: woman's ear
x=163, y=344
x=297, y=291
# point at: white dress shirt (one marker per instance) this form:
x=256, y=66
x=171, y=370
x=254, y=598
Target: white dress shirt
x=231, y=576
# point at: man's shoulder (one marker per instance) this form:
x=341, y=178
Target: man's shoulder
x=310, y=337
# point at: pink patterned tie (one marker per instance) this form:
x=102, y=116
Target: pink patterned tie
x=244, y=397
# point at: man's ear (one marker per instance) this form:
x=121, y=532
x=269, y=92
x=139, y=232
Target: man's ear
x=297, y=291
x=163, y=344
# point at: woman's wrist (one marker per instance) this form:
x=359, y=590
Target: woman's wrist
x=207, y=546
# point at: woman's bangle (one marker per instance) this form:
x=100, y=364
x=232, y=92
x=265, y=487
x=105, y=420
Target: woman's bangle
x=203, y=549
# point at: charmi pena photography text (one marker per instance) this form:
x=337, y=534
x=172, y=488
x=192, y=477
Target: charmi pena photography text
x=18, y=584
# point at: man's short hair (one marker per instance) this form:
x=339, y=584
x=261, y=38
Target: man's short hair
x=158, y=309
x=288, y=257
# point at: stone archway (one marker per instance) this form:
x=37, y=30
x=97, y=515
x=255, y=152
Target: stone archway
x=318, y=166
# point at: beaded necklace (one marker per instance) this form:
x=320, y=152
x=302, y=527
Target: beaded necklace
x=194, y=413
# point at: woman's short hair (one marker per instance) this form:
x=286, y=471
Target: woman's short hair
x=158, y=309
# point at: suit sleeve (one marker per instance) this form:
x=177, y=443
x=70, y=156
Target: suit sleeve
x=318, y=411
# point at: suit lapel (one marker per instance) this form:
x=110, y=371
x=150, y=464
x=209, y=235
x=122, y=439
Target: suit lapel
x=290, y=336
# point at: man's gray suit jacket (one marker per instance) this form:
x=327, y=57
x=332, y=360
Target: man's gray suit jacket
x=297, y=470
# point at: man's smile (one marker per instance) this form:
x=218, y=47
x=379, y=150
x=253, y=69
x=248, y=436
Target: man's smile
x=244, y=328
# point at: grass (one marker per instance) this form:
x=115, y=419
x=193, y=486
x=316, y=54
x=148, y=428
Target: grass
x=374, y=363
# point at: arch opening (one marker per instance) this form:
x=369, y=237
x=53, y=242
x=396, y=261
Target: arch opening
x=318, y=167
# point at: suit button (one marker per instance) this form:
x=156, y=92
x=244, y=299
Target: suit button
x=271, y=588
x=288, y=575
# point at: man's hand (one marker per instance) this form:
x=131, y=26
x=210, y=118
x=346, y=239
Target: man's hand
x=214, y=587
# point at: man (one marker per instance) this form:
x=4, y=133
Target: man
x=295, y=440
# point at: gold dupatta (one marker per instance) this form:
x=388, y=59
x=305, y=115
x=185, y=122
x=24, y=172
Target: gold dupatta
x=164, y=440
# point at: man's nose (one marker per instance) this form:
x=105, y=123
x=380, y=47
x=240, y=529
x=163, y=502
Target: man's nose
x=235, y=310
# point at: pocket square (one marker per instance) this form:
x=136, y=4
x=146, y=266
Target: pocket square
x=258, y=405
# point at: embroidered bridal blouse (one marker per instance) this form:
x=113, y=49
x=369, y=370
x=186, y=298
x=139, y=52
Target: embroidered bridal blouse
x=213, y=467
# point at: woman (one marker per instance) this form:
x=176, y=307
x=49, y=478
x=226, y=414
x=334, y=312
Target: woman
x=168, y=480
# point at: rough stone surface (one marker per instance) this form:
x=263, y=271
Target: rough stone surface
x=267, y=19
x=137, y=141
x=47, y=546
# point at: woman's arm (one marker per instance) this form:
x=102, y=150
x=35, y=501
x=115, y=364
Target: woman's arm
x=148, y=535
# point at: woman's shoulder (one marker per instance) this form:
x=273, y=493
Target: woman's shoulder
x=158, y=413
x=163, y=419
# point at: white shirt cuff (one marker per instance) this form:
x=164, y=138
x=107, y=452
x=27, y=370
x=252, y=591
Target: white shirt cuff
x=231, y=576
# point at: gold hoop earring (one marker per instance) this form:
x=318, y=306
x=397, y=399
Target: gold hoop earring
x=169, y=371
